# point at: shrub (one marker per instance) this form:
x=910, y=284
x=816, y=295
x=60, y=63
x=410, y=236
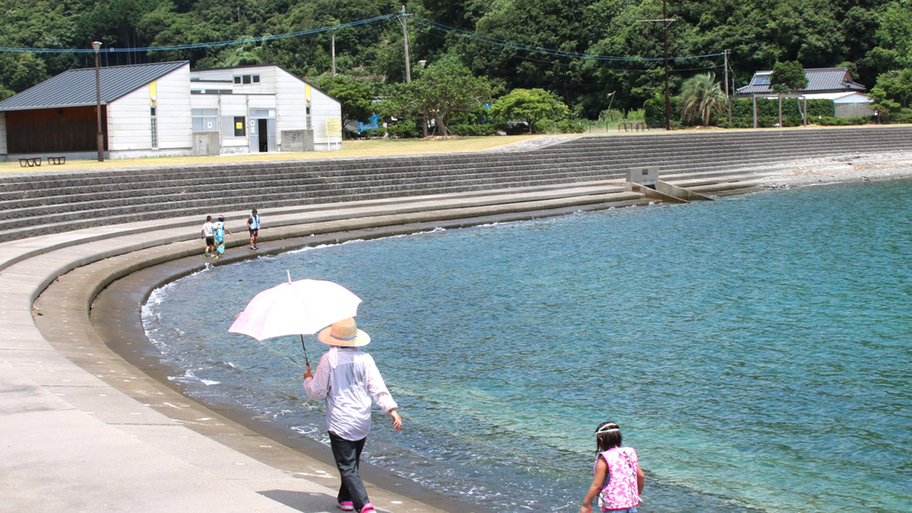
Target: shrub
x=654, y=111
x=514, y=128
x=767, y=121
x=546, y=126
x=539, y=109
x=901, y=117
x=403, y=129
x=834, y=121
x=472, y=129
x=611, y=117
x=743, y=108
x=791, y=120
x=571, y=126
x=639, y=114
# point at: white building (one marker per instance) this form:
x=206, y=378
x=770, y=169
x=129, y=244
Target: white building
x=166, y=109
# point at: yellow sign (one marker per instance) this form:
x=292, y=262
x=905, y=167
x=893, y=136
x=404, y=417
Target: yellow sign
x=333, y=127
x=307, y=93
x=239, y=126
x=153, y=92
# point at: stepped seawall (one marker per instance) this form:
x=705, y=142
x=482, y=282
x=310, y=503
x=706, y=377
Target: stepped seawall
x=88, y=417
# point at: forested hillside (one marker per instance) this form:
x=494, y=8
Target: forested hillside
x=873, y=37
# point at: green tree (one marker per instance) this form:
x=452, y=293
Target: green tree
x=29, y=71
x=892, y=93
x=355, y=96
x=788, y=76
x=883, y=104
x=895, y=30
x=561, y=25
x=447, y=87
x=400, y=105
x=701, y=95
x=494, y=38
x=532, y=106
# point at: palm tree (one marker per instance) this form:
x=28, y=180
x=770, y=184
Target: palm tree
x=701, y=95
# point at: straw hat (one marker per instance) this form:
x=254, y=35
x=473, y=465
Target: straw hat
x=344, y=333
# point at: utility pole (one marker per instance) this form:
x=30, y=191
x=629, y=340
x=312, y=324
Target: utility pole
x=99, y=137
x=666, y=21
x=333, y=50
x=727, y=97
x=403, y=19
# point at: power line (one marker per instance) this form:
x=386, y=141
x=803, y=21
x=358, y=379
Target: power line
x=8, y=49
x=548, y=51
x=433, y=25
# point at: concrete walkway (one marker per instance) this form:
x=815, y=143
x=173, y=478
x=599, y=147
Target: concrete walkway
x=84, y=429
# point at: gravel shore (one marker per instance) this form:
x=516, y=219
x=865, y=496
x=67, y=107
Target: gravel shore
x=845, y=168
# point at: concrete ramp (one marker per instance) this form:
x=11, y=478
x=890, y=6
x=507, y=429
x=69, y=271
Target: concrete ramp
x=680, y=193
x=651, y=193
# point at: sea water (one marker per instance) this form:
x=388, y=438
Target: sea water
x=755, y=350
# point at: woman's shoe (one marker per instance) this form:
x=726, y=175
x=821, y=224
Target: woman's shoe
x=368, y=508
x=345, y=505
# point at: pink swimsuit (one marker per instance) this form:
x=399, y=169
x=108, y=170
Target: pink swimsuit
x=621, y=490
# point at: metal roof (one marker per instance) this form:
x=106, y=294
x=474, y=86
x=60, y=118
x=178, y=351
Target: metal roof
x=820, y=80
x=76, y=87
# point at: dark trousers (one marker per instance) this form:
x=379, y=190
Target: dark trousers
x=348, y=456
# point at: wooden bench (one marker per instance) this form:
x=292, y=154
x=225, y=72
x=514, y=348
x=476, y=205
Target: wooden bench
x=30, y=161
x=56, y=161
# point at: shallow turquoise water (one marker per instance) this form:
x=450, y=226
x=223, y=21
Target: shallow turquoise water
x=756, y=351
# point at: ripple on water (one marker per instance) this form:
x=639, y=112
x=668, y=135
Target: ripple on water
x=755, y=350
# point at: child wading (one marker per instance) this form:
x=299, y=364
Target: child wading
x=618, y=480
x=220, y=230
x=208, y=233
x=348, y=378
x=253, y=226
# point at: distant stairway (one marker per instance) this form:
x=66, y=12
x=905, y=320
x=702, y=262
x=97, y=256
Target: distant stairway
x=714, y=163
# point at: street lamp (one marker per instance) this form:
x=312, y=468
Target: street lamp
x=99, y=138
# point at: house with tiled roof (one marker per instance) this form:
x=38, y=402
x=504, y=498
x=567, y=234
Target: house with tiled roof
x=834, y=84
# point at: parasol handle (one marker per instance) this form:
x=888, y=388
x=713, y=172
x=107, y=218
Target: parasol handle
x=306, y=361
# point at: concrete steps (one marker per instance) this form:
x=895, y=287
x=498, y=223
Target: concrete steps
x=718, y=161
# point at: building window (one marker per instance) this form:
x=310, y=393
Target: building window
x=239, y=128
x=154, y=127
x=246, y=79
x=204, y=120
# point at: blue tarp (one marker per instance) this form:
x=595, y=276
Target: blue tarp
x=372, y=124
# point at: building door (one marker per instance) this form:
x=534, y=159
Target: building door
x=263, y=135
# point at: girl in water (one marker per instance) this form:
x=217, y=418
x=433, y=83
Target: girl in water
x=618, y=480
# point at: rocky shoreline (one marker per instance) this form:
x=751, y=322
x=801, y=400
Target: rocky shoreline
x=841, y=169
